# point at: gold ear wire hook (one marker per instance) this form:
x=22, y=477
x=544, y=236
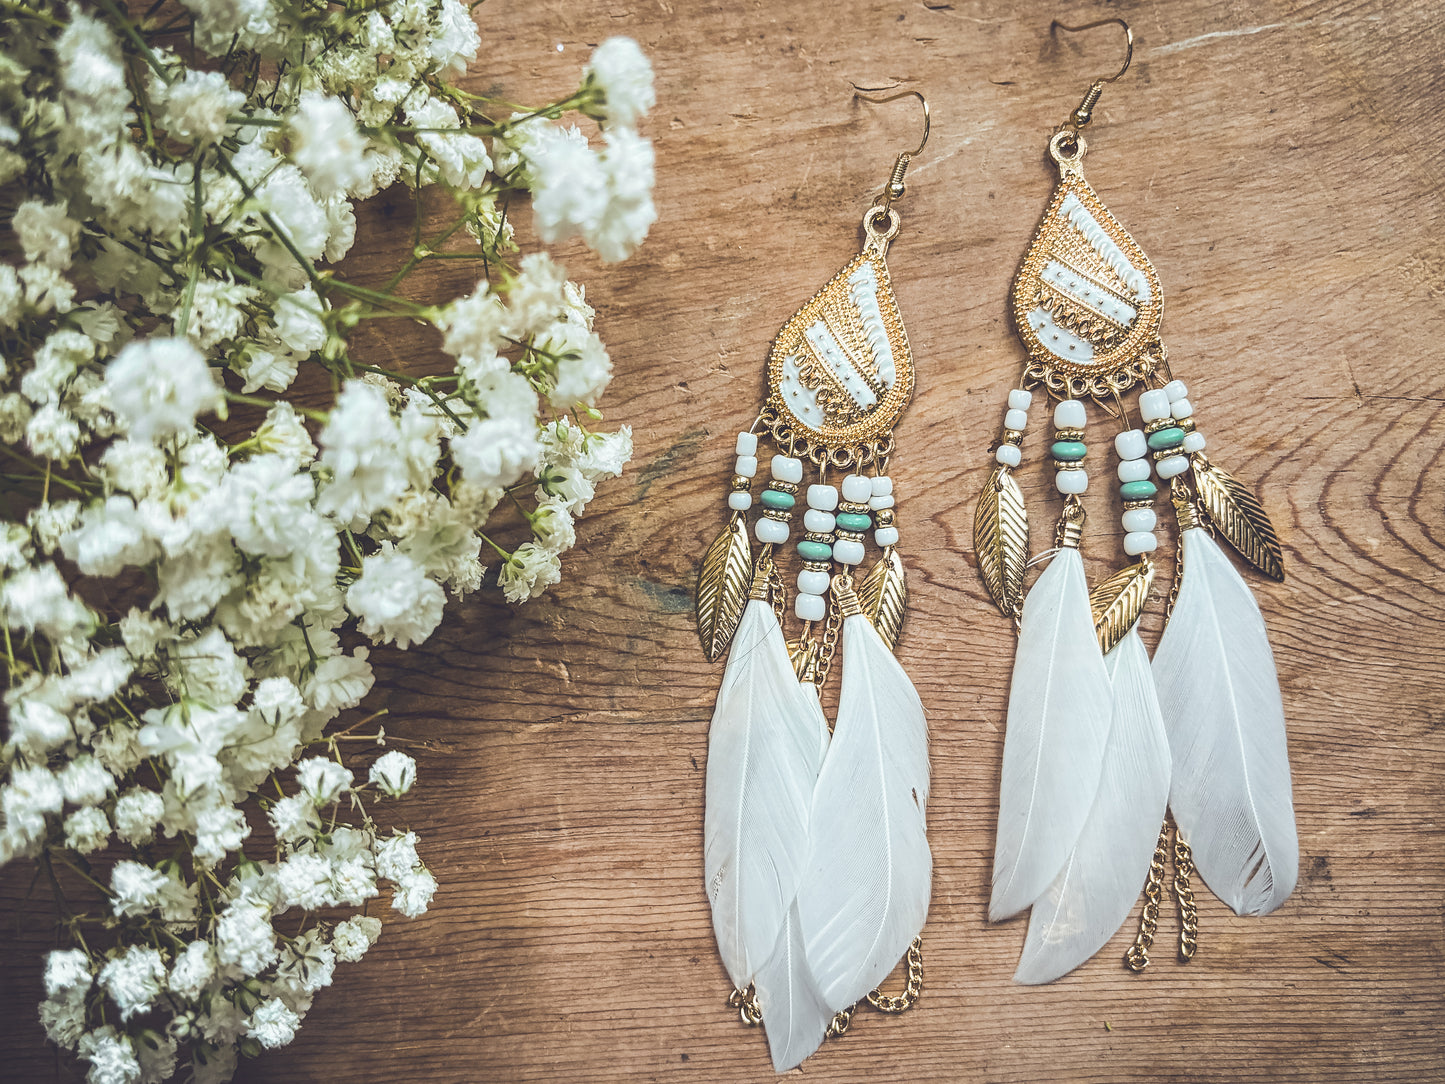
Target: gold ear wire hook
x=1085, y=112
x=895, y=187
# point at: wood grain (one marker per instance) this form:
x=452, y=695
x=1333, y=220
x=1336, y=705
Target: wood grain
x=1279, y=162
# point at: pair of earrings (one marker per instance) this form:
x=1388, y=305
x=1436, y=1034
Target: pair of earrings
x=817, y=864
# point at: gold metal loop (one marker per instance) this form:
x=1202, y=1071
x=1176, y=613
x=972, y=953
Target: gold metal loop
x=1067, y=146
x=870, y=223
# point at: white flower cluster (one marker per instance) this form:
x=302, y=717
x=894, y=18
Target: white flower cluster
x=171, y=213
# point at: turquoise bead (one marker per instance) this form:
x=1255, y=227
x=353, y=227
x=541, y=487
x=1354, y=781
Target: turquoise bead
x=1138, y=491
x=814, y=551
x=1068, y=450
x=854, y=521
x=773, y=498
x=1166, y=438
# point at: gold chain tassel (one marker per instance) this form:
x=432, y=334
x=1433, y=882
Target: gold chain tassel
x=892, y=1004
x=1184, y=895
x=1137, y=958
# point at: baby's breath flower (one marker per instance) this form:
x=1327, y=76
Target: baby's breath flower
x=393, y=773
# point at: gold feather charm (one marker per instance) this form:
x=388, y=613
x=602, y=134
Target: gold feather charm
x=1237, y=514
x=1001, y=540
x=1118, y=601
x=883, y=594
x=722, y=587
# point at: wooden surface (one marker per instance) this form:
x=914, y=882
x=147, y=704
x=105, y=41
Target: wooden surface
x=1281, y=165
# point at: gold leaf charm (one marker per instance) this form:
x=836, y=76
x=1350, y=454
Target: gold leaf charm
x=1086, y=301
x=1238, y=516
x=841, y=372
x=722, y=587
x=1118, y=602
x=883, y=595
x=1001, y=540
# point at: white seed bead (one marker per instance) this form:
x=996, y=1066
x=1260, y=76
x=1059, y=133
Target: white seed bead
x=1137, y=542
x=810, y=607
x=818, y=521
x=1153, y=405
x=740, y=500
x=1168, y=468
x=747, y=466
x=787, y=469
x=847, y=551
x=813, y=582
x=882, y=486
x=1194, y=442
x=824, y=498
x=886, y=536
x=1139, y=519
x=747, y=444
x=771, y=530
x=1176, y=390
x=1009, y=455
x=1134, y=470
x=1019, y=399
x=1071, y=482
x=1181, y=409
x=876, y=503
x=1070, y=415
x=1131, y=444
x=1015, y=419
x=857, y=488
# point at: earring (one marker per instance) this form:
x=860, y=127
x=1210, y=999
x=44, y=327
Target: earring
x=1098, y=740
x=817, y=866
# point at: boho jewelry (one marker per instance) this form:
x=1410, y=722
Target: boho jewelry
x=817, y=865
x=1098, y=738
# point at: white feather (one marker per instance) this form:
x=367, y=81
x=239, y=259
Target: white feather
x=794, y=1013
x=1230, y=789
x=1096, y=890
x=869, y=871
x=1058, y=719
x=762, y=762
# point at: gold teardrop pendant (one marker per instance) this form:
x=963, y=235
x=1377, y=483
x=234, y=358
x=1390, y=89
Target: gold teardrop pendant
x=841, y=372
x=1086, y=302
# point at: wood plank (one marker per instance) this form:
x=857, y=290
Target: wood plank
x=1279, y=161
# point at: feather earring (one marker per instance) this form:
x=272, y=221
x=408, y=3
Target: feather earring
x=1202, y=727
x=816, y=862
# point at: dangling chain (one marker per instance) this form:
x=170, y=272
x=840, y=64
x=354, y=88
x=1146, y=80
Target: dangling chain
x=912, y=991
x=831, y=630
x=1184, y=895
x=1136, y=959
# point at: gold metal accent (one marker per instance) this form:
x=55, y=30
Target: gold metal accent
x=1171, y=842
x=832, y=629
x=1069, y=434
x=1085, y=111
x=762, y=574
x=883, y=517
x=894, y=1004
x=845, y=597
x=722, y=587
x=1001, y=540
x=857, y=508
x=742, y=483
x=1136, y=959
x=1120, y=356
x=912, y=991
x=804, y=653
x=1238, y=516
x=1184, y=896
x=895, y=189
x=1159, y=424
x=790, y=488
x=883, y=595
x=849, y=433
x=782, y=515
x=1186, y=512
x=1012, y=436
x=746, y=1002
x=1071, y=523
x=818, y=536
x=1118, y=601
